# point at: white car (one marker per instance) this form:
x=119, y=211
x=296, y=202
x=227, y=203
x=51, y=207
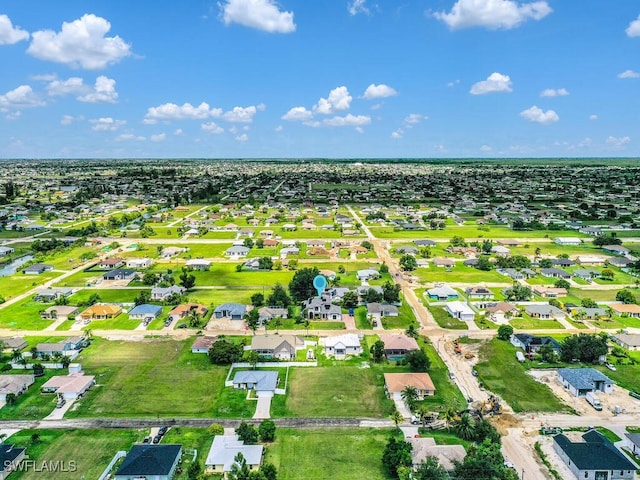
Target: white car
x=610, y=366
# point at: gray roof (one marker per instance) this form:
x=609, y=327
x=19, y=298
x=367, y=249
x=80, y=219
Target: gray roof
x=555, y=272
x=271, y=342
x=264, y=380
x=595, y=453
x=167, y=290
x=225, y=448
x=583, y=378
x=381, y=307
x=237, y=250
x=542, y=310
x=149, y=460
x=232, y=308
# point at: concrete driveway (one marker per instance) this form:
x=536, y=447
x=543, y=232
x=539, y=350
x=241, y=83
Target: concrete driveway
x=402, y=408
x=58, y=413
x=263, y=408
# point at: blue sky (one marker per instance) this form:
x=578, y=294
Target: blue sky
x=319, y=78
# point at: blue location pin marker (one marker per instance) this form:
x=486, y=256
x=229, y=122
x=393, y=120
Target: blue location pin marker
x=320, y=283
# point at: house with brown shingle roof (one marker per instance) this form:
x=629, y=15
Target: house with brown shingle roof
x=397, y=346
x=395, y=383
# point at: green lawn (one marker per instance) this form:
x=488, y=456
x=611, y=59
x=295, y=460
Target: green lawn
x=24, y=315
x=190, y=438
x=525, y=322
x=502, y=374
x=403, y=320
x=445, y=320
x=20, y=283
x=32, y=404
x=312, y=453
x=89, y=450
x=106, y=295
x=459, y=274
x=447, y=393
x=470, y=230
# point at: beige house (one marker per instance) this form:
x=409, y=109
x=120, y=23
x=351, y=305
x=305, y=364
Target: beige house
x=395, y=383
x=283, y=347
x=16, y=384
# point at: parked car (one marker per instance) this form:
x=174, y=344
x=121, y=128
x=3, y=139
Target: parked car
x=474, y=373
x=163, y=430
x=157, y=439
x=452, y=375
x=147, y=439
x=182, y=325
x=61, y=403
x=610, y=366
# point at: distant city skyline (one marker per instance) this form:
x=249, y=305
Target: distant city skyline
x=335, y=79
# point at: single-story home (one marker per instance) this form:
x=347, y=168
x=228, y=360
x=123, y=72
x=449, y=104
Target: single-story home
x=267, y=314
x=162, y=293
x=628, y=341
x=101, y=311
x=111, y=263
x=544, y=312
x=632, y=442
x=169, y=252
x=185, y=309
x=13, y=343
x=203, y=344
x=51, y=294
x=138, y=262
x=532, y=343
x=65, y=346
x=424, y=243
x=342, y=345
x=500, y=250
x=580, y=381
x=58, y=311
x=589, y=313
x=397, y=346
x=4, y=251
x=443, y=262
x=16, y=384
x=586, y=273
x=562, y=262
x=263, y=382
x=120, y=274
x=615, y=249
x=198, y=264
x=149, y=461
x=460, y=310
x=479, y=293
x=595, y=458
x=442, y=293
x=498, y=313
x=70, y=386
x=233, y=311
x=567, y=241
x=145, y=312
x=554, y=273
x=283, y=347
x=591, y=260
x=379, y=310
x=37, y=269
x=10, y=457
x=367, y=274
x=236, y=251
x=549, y=292
x=224, y=450
x=395, y=383
x=423, y=447
x=626, y=309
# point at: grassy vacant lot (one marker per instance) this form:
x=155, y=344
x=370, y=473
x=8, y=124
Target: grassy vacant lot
x=445, y=320
x=19, y=283
x=220, y=296
x=470, y=230
x=403, y=320
x=140, y=379
x=459, y=274
x=502, y=374
x=106, y=295
x=339, y=454
x=527, y=323
x=91, y=450
x=25, y=315
x=342, y=391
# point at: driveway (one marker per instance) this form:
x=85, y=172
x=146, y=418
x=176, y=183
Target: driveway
x=58, y=413
x=263, y=408
x=402, y=408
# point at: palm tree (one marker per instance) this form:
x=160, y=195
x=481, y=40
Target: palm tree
x=412, y=331
x=450, y=416
x=538, y=252
x=306, y=324
x=410, y=396
x=16, y=356
x=423, y=414
x=397, y=418
x=278, y=323
x=465, y=427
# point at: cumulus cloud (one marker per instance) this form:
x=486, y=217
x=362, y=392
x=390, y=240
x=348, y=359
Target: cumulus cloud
x=397, y=134
x=414, y=118
x=298, y=114
x=240, y=114
x=81, y=43
x=379, y=91
x=10, y=34
x=171, y=111
x=617, y=142
x=486, y=148
x=339, y=100
x=126, y=137
x=242, y=138
x=633, y=30
x=104, y=91
x=178, y=132
x=358, y=6
x=629, y=74
x=106, y=124
x=593, y=117
x=20, y=97
x=212, y=127
x=70, y=86
x=347, y=121
x=69, y=119
x=262, y=15
x=453, y=83
x=537, y=115
x=158, y=137
x=554, y=92
x=496, y=82
x=492, y=14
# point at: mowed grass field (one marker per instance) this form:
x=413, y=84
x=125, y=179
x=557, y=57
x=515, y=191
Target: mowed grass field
x=89, y=450
x=502, y=374
x=139, y=379
x=339, y=454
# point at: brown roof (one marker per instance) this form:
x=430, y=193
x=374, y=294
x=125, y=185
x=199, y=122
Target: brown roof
x=398, y=342
x=625, y=308
x=501, y=307
x=271, y=243
x=112, y=261
x=185, y=308
x=204, y=342
x=101, y=310
x=396, y=382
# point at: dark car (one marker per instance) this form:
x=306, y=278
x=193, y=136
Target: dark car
x=146, y=440
x=163, y=430
x=182, y=325
x=157, y=439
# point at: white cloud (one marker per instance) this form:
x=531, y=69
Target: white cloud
x=10, y=34
x=171, y=111
x=414, y=118
x=297, y=114
x=104, y=91
x=212, y=127
x=492, y=14
x=259, y=14
x=158, y=137
x=397, y=134
x=241, y=114
x=13, y=115
x=554, y=92
x=106, y=124
x=178, y=132
x=537, y=115
x=69, y=119
x=486, y=148
x=593, y=117
x=379, y=91
x=20, y=97
x=339, y=100
x=81, y=43
x=242, y=138
x=279, y=128
x=633, y=30
x=72, y=85
x=347, y=121
x=496, y=82
x=125, y=137
x=453, y=83
x=358, y=6
x=629, y=74
x=617, y=142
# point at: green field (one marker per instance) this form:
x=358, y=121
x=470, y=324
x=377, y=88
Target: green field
x=19, y=283
x=32, y=404
x=525, y=322
x=471, y=231
x=460, y=273
x=24, y=315
x=445, y=320
x=106, y=295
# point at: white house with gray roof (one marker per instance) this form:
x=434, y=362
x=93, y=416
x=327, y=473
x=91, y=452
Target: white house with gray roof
x=224, y=450
x=580, y=381
x=263, y=382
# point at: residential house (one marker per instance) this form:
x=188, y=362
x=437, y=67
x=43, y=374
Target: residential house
x=479, y=293
x=67, y=346
x=424, y=243
x=286, y=251
x=341, y=346
x=616, y=250
x=198, y=264
x=170, y=252
x=532, y=343
x=589, y=313
x=460, y=310
x=367, y=274
x=321, y=308
x=555, y=273
x=594, y=458
x=549, y=292
x=224, y=450
x=69, y=387
x=620, y=262
x=632, y=442
x=186, y=309
x=245, y=232
x=263, y=382
x=37, y=269
x=508, y=242
x=283, y=347
x=379, y=310
x=10, y=458
x=160, y=294
x=151, y=462
x=424, y=447
x=16, y=384
x=266, y=314
x=443, y=262
x=580, y=381
x=397, y=346
x=407, y=250
x=586, y=274
x=203, y=344
x=138, y=263
x=501, y=250
x=625, y=340
x=544, y=312
x=442, y=293
x=562, y=262
x=101, y=311
x=499, y=312
x=591, y=260
x=4, y=251
x=58, y=311
x=145, y=311
x=626, y=310
x=593, y=231
x=568, y=241
x=51, y=294
x=120, y=274
x=13, y=343
x=232, y=311
x=236, y=252
x=111, y=263
x=395, y=383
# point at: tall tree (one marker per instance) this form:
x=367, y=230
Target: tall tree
x=301, y=286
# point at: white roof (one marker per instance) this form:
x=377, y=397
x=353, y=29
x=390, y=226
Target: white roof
x=347, y=340
x=459, y=307
x=225, y=447
x=197, y=261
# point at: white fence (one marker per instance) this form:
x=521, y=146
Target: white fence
x=117, y=457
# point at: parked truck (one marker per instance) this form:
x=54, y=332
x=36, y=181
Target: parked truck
x=520, y=356
x=594, y=401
